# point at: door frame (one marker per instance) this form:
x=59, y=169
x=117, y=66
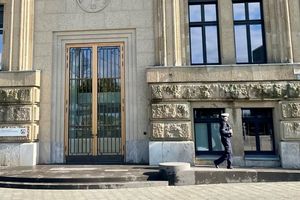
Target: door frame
x=94, y=47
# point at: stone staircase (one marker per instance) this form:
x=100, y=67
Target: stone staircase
x=80, y=177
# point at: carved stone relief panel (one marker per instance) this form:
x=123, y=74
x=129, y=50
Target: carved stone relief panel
x=171, y=111
x=19, y=95
x=171, y=130
x=235, y=90
x=18, y=113
x=291, y=110
x=291, y=130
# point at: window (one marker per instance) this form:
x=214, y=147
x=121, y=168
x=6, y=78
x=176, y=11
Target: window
x=249, y=31
x=1, y=35
x=258, y=131
x=207, y=131
x=204, y=42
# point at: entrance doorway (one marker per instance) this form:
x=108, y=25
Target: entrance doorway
x=95, y=106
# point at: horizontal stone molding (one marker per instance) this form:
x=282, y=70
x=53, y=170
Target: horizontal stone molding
x=32, y=129
x=20, y=78
x=171, y=131
x=16, y=113
x=19, y=95
x=291, y=130
x=235, y=90
x=171, y=111
x=221, y=73
x=290, y=109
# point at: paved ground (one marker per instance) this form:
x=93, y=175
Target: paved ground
x=240, y=191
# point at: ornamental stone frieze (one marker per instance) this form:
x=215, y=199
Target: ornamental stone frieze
x=171, y=111
x=290, y=110
x=250, y=90
x=291, y=130
x=19, y=95
x=171, y=131
x=18, y=113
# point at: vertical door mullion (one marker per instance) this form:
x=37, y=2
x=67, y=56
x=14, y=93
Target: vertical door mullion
x=122, y=79
x=94, y=100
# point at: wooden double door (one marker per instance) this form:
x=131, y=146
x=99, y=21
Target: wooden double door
x=95, y=106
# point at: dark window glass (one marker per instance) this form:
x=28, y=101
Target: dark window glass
x=258, y=131
x=207, y=133
x=249, y=31
x=204, y=32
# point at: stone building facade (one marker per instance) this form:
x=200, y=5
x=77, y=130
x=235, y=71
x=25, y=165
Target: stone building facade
x=145, y=81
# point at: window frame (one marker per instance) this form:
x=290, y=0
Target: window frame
x=248, y=22
x=204, y=24
x=256, y=121
x=207, y=121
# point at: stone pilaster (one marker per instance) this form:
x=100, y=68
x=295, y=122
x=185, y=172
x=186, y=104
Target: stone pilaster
x=170, y=32
x=278, y=31
x=227, y=47
x=26, y=35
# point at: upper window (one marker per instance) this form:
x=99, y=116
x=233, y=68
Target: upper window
x=204, y=40
x=249, y=31
x=1, y=35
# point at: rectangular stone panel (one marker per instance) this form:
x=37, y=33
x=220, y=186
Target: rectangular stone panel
x=290, y=154
x=171, y=111
x=19, y=95
x=32, y=129
x=290, y=109
x=291, y=130
x=16, y=113
x=171, y=131
x=20, y=78
x=171, y=151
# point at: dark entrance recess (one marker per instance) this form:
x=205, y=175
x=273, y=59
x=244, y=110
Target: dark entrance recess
x=207, y=134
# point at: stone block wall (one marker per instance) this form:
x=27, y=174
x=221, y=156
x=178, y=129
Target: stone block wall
x=175, y=92
x=19, y=104
x=290, y=129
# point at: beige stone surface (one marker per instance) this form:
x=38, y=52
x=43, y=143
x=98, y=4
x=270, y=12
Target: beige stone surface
x=222, y=73
x=20, y=78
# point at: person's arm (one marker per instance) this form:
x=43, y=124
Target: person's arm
x=226, y=133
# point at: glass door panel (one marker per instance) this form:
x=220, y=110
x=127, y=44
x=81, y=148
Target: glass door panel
x=249, y=133
x=216, y=137
x=109, y=101
x=80, y=102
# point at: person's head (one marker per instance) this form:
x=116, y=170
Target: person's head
x=225, y=116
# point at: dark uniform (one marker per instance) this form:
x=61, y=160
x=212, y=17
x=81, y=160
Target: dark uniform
x=225, y=131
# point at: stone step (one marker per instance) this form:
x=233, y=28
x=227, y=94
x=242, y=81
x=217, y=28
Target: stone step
x=196, y=176
x=97, y=179
x=87, y=185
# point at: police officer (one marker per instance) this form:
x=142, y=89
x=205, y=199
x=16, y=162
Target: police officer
x=226, y=134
